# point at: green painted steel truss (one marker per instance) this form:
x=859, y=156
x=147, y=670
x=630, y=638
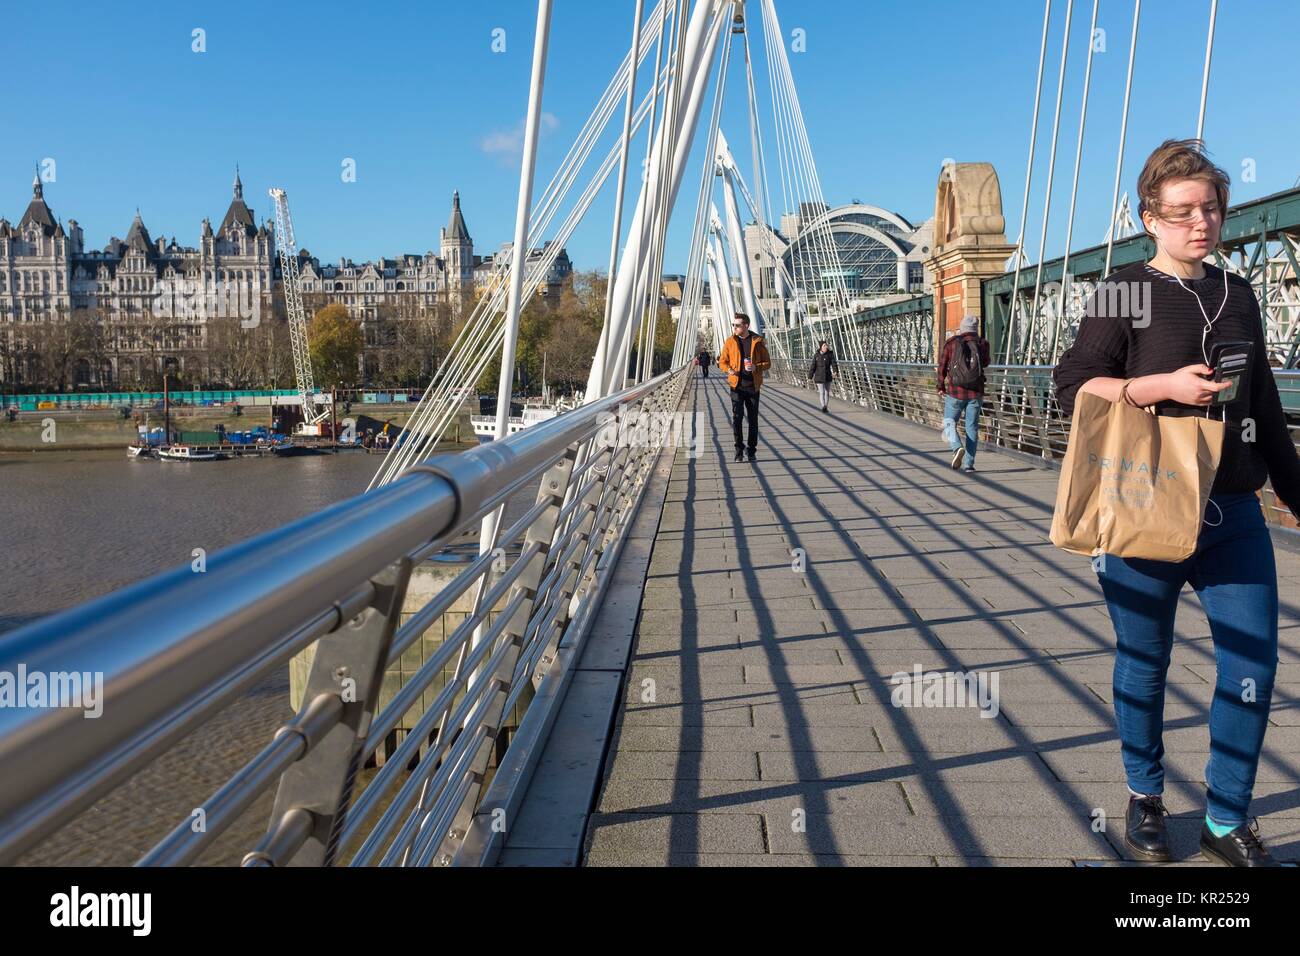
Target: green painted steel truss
x=899, y=332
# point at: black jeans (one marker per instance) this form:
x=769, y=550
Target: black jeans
x=743, y=401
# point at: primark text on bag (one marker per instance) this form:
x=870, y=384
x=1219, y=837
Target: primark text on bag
x=1134, y=484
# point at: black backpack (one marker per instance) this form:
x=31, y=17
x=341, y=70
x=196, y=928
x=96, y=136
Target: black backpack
x=966, y=368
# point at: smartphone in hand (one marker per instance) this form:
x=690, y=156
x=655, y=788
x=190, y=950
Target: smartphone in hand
x=1231, y=362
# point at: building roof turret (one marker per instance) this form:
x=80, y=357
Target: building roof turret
x=37, y=211
x=137, y=239
x=456, y=230
x=239, y=214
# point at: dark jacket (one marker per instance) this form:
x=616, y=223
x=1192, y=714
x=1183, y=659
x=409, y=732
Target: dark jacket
x=703, y=358
x=823, y=365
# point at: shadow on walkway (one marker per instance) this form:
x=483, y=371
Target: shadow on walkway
x=759, y=724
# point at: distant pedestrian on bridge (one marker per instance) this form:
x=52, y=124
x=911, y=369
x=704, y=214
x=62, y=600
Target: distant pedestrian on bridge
x=744, y=358
x=961, y=383
x=702, y=360
x=1158, y=355
x=822, y=372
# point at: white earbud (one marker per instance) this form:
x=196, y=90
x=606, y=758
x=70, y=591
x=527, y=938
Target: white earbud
x=1155, y=232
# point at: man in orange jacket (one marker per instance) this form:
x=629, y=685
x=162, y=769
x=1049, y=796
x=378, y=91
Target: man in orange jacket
x=744, y=358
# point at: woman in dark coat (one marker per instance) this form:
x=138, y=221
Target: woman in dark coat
x=822, y=371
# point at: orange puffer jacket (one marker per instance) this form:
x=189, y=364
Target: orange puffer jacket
x=729, y=360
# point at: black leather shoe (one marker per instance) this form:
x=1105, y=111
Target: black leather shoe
x=1241, y=847
x=1144, y=829
x=751, y=456
x=740, y=456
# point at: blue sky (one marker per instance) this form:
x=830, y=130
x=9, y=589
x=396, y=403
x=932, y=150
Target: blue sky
x=415, y=95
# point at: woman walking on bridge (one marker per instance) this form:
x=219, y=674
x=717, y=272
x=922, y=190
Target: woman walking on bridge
x=1160, y=354
x=822, y=372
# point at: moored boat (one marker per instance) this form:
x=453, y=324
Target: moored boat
x=185, y=453
x=485, y=426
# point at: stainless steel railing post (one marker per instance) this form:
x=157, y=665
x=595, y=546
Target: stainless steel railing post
x=348, y=664
x=540, y=535
x=1039, y=416
x=591, y=528
x=871, y=389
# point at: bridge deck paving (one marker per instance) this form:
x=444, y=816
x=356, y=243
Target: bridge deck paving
x=768, y=735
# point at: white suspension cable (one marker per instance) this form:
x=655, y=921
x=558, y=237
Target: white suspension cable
x=519, y=255
x=482, y=333
x=829, y=246
x=823, y=244
x=781, y=125
x=643, y=284
x=701, y=46
x=695, y=262
x=625, y=280
x=1074, y=190
x=1029, y=174
x=622, y=155
x=653, y=280
x=432, y=414
x=762, y=211
x=670, y=98
x=1123, y=136
x=1205, y=74
x=1051, y=179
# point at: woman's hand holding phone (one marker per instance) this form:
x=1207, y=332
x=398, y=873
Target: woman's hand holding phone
x=1189, y=385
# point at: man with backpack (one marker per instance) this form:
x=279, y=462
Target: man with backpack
x=961, y=383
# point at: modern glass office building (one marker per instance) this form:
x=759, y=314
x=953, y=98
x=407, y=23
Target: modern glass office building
x=857, y=253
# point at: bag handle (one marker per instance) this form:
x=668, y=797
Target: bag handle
x=1127, y=399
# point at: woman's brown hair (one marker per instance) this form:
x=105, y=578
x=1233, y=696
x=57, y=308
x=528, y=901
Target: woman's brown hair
x=1179, y=159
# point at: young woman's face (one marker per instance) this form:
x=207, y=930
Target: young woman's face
x=1187, y=218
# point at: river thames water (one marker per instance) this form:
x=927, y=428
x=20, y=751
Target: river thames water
x=81, y=524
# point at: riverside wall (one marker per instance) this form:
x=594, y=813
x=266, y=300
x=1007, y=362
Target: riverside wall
x=99, y=429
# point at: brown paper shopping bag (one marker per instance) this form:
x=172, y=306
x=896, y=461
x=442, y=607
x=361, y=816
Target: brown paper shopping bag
x=1134, y=484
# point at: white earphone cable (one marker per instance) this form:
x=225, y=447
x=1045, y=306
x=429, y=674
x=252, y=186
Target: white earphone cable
x=1214, y=524
x=1209, y=324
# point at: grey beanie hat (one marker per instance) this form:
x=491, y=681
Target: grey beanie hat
x=970, y=324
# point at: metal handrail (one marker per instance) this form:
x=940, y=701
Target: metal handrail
x=1020, y=410
x=175, y=649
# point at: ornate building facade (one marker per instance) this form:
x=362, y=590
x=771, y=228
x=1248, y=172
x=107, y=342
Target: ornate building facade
x=149, y=300
x=155, y=306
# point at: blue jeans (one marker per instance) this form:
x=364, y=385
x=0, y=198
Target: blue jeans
x=953, y=409
x=1233, y=574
